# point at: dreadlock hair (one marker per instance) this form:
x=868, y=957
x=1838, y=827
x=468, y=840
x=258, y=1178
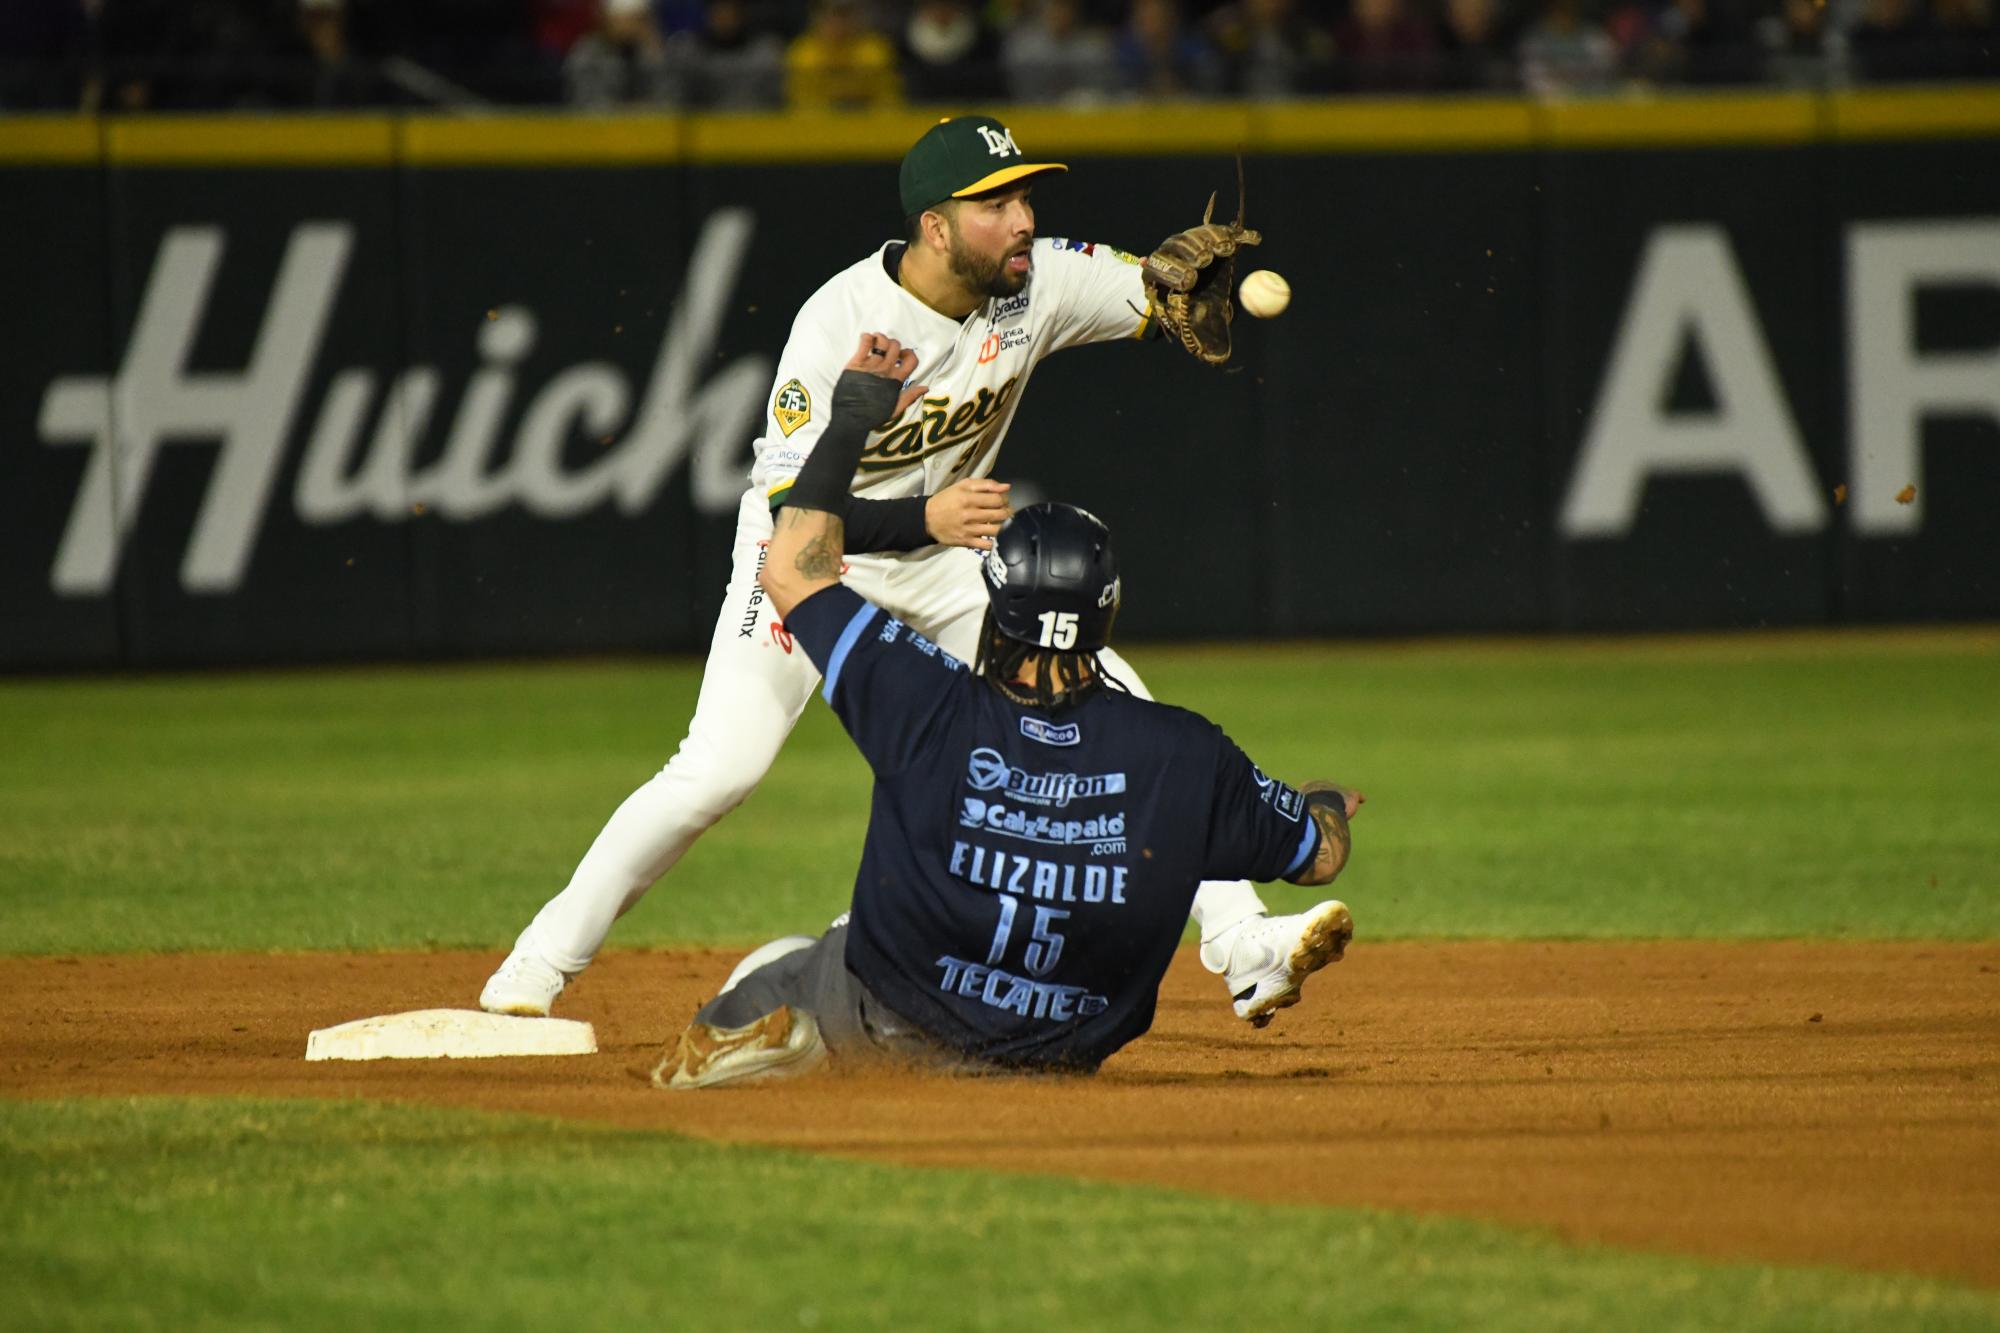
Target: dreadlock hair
x=1062, y=679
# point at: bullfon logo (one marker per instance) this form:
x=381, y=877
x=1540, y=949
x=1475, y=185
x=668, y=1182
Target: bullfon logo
x=988, y=770
x=686, y=413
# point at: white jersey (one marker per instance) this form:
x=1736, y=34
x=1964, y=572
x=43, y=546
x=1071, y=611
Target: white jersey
x=974, y=369
x=757, y=683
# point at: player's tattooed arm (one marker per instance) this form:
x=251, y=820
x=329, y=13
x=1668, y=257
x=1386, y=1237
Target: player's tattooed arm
x=1331, y=806
x=809, y=536
x=818, y=560
x=804, y=556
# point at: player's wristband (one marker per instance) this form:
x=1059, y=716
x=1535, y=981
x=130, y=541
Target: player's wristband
x=860, y=402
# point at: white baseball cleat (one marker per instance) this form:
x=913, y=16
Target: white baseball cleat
x=781, y=1044
x=523, y=985
x=1270, y=957
x=765, y=954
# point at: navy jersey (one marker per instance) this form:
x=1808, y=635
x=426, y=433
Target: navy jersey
x=1025, y=877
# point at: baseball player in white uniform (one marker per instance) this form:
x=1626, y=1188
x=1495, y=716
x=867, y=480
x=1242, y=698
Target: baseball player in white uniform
x=981, y=301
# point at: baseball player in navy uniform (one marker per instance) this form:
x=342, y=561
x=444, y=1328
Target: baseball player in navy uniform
x=982, y=299
x=1036, y=832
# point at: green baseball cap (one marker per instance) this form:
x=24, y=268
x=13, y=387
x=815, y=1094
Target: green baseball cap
x=960, y=157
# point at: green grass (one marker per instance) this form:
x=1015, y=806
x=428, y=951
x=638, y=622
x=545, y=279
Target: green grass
x=179, y=1214
x=1736, y=787
x=1732, y=787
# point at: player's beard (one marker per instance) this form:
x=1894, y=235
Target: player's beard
x=988, y=277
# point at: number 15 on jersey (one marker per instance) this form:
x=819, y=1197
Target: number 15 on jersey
x=1044, y=945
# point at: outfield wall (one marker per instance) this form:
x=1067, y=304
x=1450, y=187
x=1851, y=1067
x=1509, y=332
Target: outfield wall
x=406, y=387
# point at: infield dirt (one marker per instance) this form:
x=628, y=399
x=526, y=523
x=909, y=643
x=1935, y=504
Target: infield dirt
x=1822, y=1103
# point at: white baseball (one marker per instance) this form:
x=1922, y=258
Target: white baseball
x=1264, y=294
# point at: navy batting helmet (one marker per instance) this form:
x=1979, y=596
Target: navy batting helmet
x=1052, y=580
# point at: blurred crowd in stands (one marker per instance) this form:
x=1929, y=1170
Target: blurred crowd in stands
x=139, y=55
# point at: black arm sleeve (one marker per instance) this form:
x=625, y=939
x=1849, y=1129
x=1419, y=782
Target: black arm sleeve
x=887, y=525
x=879, y=525
x=859, y=400
x=871, y=525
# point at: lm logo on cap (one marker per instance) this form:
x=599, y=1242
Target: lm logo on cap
x=999, y=140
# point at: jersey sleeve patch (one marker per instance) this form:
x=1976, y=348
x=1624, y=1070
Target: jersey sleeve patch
x=1093, y=248
x=793, y=407
x=1286, y=800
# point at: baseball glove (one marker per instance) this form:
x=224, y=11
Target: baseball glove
x=1191, y=278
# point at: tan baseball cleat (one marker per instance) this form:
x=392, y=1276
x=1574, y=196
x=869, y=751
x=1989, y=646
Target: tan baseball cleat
x=782, y=1044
